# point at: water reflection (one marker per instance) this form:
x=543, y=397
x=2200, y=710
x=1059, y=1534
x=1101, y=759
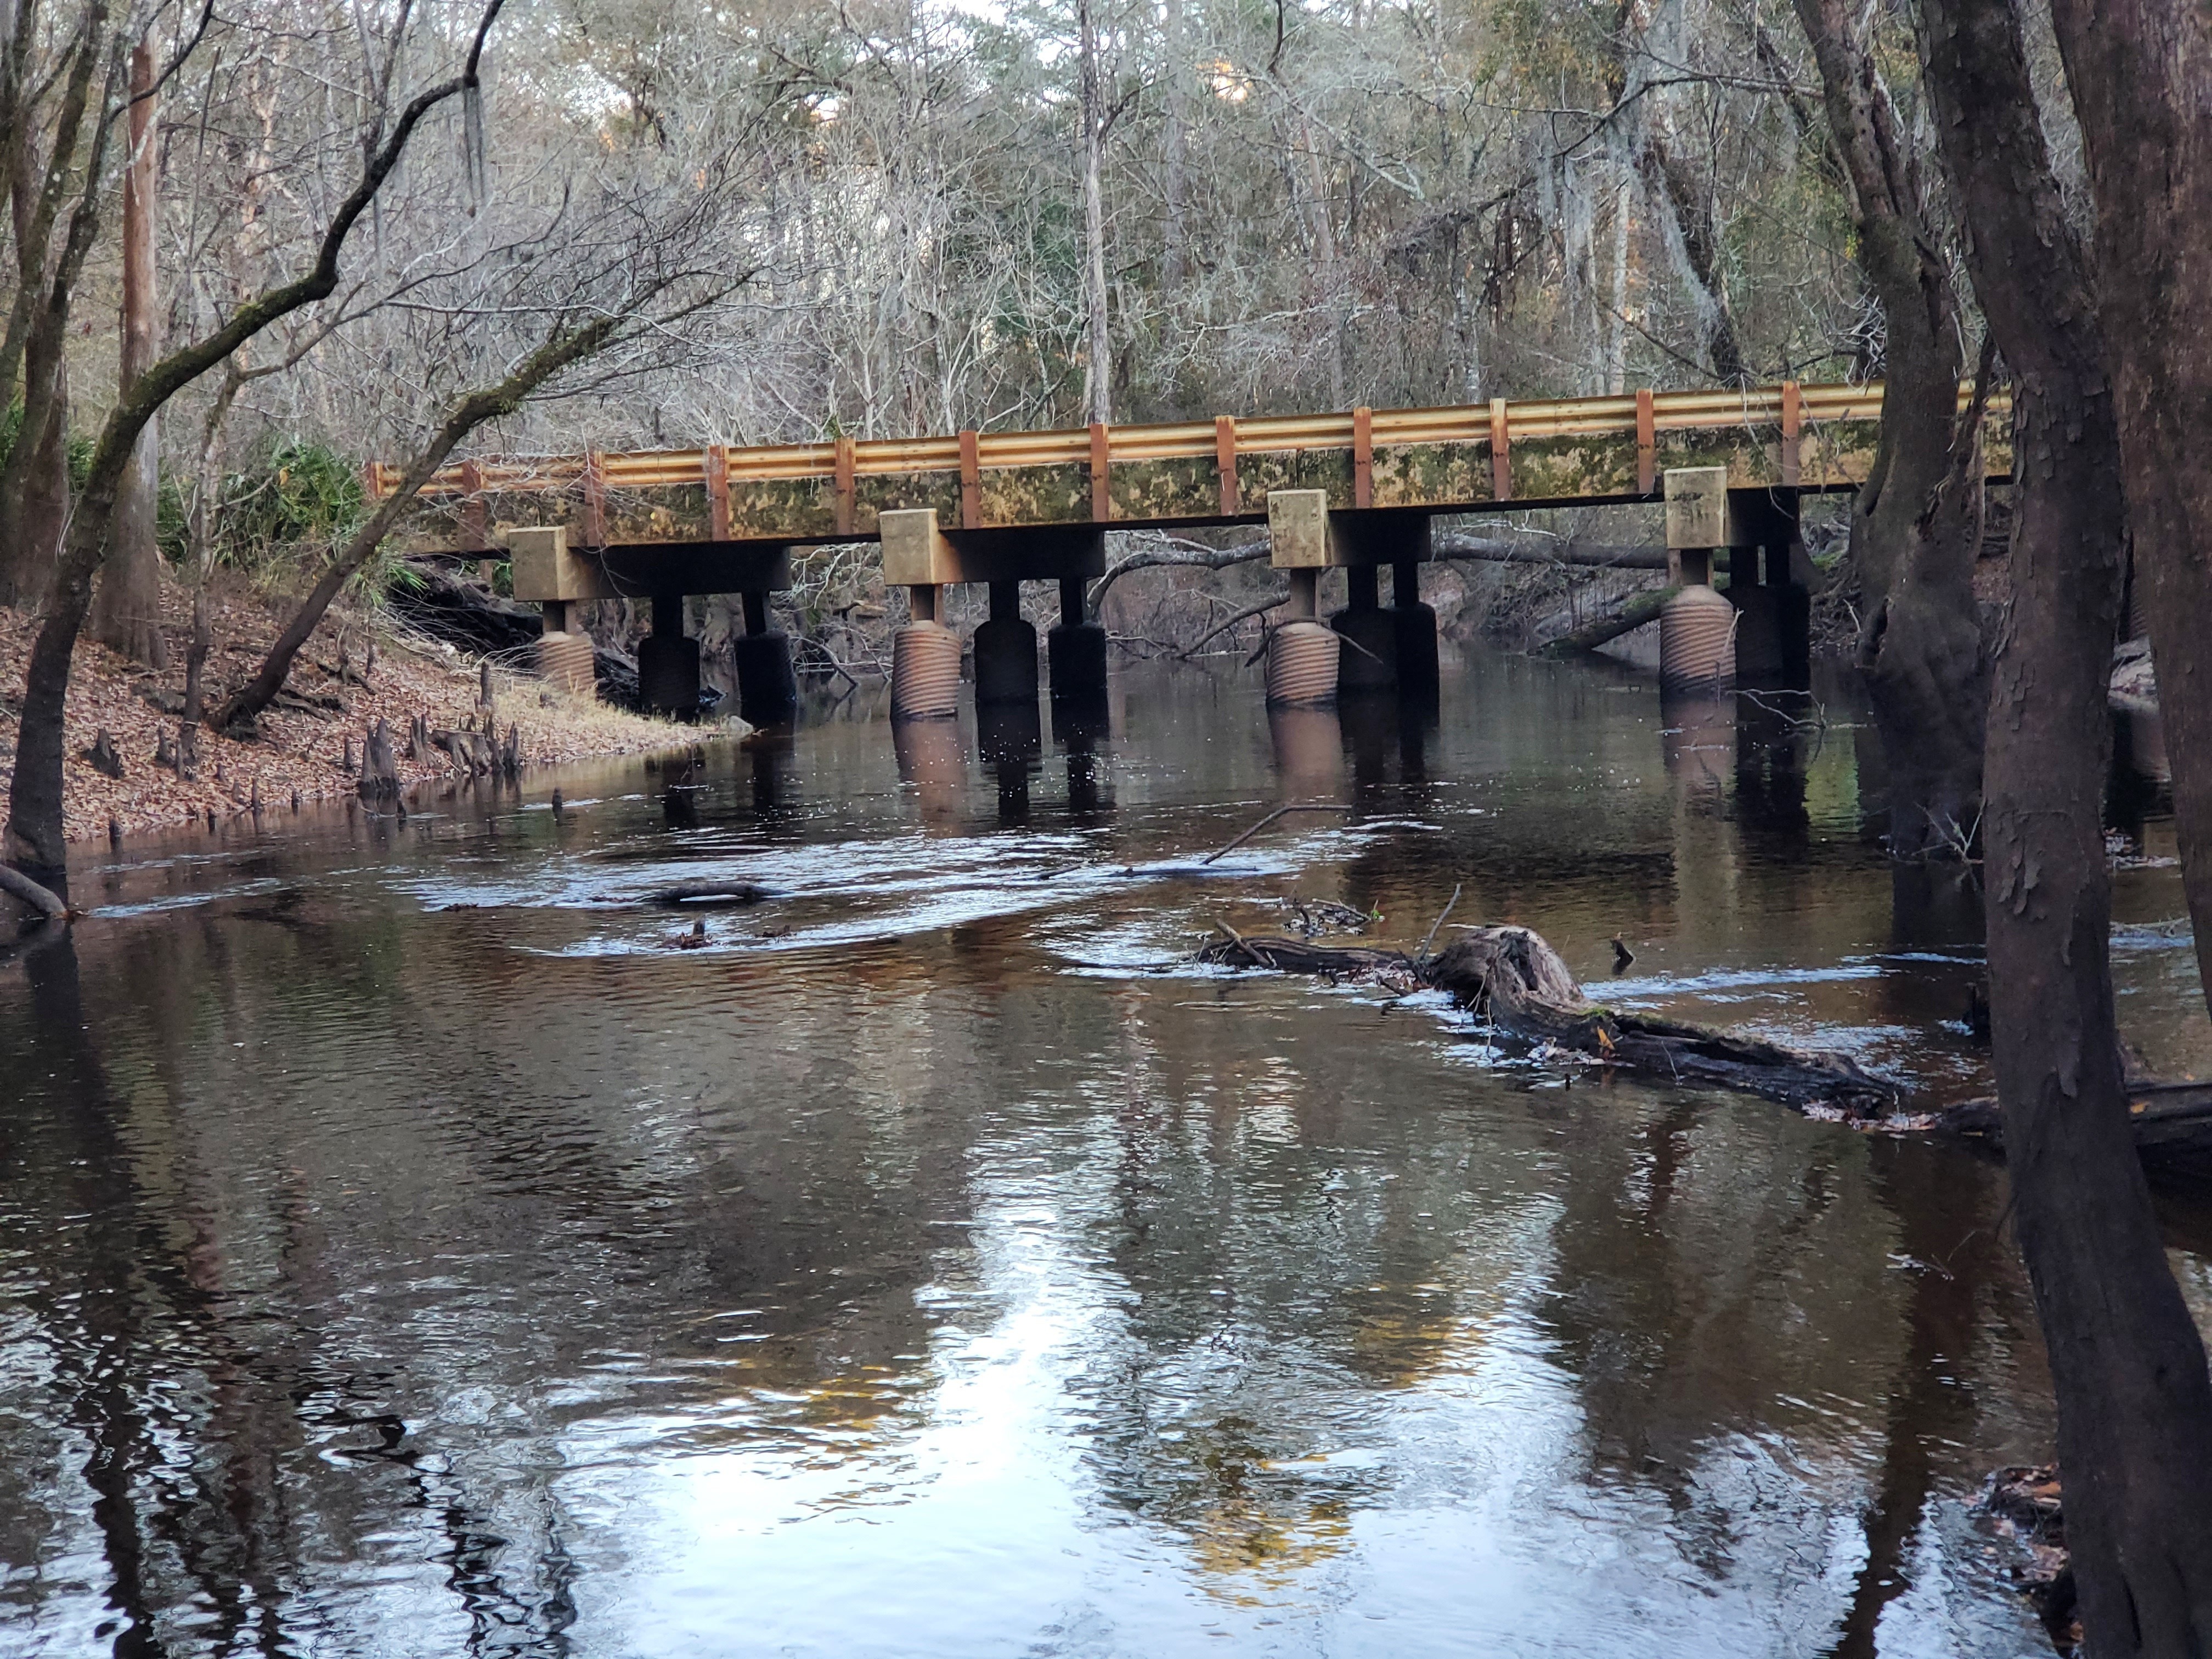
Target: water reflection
x=1010, y=739
x=1308, y=752
x=932, y=760
x=403, y=1249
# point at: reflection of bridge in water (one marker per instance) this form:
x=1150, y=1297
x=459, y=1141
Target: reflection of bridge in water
x=1351, y=492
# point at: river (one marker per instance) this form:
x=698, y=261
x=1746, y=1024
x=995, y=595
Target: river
x=406, y=1249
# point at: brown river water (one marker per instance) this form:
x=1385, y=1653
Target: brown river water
x=404, y=1251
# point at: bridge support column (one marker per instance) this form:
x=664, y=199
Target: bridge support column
x=924, y=663
x=1416, y=626
x=565, y=660
x=1077, y=647
x=1698, y=625
x=548, y=571
x=1774, y=629
x=668, y=663
x=920, y=557
x=767, y=685
x=1005, y=652
x=1303, y=656
x=1367, y=658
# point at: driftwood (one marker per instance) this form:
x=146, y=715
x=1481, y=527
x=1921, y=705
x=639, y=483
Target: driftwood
x=692, y=893
x=1517, y=983
x=2029, y=1503
x=1297, y=955
x=1280, y=811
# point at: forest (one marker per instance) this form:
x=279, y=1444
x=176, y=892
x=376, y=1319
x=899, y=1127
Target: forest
x=256, y=247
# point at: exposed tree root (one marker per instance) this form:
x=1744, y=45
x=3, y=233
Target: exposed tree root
x=42, y=899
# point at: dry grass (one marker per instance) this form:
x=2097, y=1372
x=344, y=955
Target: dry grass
x=298, y=749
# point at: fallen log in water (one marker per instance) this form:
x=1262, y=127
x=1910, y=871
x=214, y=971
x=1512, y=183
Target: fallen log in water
x=695, y=893
x=2170, y=1120
x=1516, y=981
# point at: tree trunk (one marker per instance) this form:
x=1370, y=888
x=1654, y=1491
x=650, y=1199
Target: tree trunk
x=37, y=319
x=1174, y=260
x=1695, y=240
x=34, y=483
x=42, y=514
x=1098, y=365
x=1916, y=523
x=2138, y=69
x=2135, y=1403
x=126, y=612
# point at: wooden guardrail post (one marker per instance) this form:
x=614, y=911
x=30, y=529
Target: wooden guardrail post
x=717, y=463
x=971, y=479
x=1647, y=443
x=842, y=469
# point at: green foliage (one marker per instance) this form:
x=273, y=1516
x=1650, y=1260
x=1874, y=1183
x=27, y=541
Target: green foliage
x=296, y=506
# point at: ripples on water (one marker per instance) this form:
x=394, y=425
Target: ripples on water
x=404, y=1250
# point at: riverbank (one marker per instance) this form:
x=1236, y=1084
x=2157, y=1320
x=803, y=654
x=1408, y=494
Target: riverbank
x=301, y=745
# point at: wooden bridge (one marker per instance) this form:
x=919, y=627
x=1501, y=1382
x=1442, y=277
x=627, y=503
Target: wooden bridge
x=1352, y=490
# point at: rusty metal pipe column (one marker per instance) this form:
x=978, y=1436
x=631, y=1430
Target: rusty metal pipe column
x=1698, y=625
x=924, y=654
x=1303, y=655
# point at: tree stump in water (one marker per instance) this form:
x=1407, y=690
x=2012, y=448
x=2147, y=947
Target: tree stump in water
x=379, y=769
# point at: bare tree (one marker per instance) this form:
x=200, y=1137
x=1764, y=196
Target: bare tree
x=126, y=611
x=34, y=835
x=630, y=275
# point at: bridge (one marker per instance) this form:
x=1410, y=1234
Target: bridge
x=1352, y=491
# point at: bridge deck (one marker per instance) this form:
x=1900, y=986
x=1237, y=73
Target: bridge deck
x=1472, y=459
